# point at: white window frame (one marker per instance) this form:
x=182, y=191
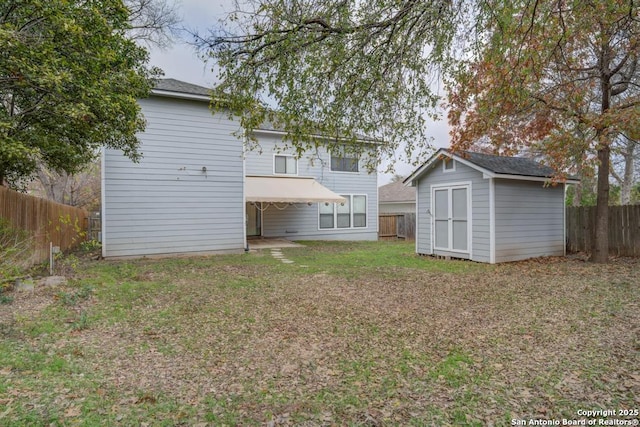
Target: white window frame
x=285, y=173
x=341, y=154
x=445, y=162
x=351, y=214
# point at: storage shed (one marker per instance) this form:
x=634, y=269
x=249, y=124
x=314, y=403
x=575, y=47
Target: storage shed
x=488, y=208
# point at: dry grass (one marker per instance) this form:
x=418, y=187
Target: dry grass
x=350, y=334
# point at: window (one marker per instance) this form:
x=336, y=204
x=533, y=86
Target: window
x=359, y=211
x=285, y=165
x=350, y=214
x=344, y=213
x=326, y=215
x=448, y=165
x=344, y=162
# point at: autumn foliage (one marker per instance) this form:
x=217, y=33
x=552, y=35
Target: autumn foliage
x=556, y=79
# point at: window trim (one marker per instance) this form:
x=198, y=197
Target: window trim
x=351, y=214
x=446, y=161
x=285, y=173
x=340, y=154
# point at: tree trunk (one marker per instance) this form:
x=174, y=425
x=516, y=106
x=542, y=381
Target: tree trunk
x=600, y=248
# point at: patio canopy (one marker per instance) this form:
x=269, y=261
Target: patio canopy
x=276, y=189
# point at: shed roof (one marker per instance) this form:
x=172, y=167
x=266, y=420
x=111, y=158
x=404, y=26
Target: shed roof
x=493, y=166
x=396, y=192
x=509, y=165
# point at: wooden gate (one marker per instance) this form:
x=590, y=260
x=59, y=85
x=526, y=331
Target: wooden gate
x=387, y=226
x=397, y=226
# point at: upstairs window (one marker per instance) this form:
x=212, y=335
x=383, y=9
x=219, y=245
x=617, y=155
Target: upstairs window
x=344, y=162
x=286, y=165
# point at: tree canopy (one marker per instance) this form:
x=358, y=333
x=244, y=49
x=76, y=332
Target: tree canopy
x=560, y=78
x=340, y=69
x=69, y=83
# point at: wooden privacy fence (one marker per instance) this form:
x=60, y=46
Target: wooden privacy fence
x=46, y=221
x=624, y=229
x=397, y=226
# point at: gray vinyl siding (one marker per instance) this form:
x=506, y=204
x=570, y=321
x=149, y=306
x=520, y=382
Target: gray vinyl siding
x=166, y=203
x=480, y=249
x=423, y=219
x=300, y=222
x=529, y=220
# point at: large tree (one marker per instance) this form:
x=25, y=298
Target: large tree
x=335, y=68
x=69, y=81
x=559, y=76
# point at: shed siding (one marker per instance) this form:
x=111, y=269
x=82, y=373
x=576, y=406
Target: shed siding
x=479, y=208
x=300, y=222
x=166, y=203
x=529, y=220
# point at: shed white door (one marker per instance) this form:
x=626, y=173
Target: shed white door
x=451, y=218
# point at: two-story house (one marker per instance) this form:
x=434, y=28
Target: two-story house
x=197, y=190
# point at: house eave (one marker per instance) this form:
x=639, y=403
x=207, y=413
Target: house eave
x=411, y=180
x=316, y=136
x=529, y=178
x=180, y=95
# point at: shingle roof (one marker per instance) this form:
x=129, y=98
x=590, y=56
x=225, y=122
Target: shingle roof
x=396, y=192
x=173, y=85
x=508, y=165
x=498, y=166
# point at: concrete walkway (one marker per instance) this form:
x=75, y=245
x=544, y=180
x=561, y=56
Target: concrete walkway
x=256, y=244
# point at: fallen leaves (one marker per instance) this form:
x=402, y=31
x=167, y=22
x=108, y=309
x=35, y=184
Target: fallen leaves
x=283, y=347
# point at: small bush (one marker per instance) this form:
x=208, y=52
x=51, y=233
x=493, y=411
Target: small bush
x=16, y=248
x=90, y=246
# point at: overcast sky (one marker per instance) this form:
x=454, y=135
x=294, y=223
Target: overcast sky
x=182, y=63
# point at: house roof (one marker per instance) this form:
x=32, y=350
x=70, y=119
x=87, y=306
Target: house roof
x=173, y=85
x=396, y=192
x=493, y=166
x=172, y=88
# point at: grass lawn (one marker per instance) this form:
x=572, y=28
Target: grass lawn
x=348, y=334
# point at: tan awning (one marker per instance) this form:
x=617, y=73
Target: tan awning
x=275, y=189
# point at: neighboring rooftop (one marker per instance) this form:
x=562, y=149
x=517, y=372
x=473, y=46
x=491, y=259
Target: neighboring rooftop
x=396, y=192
